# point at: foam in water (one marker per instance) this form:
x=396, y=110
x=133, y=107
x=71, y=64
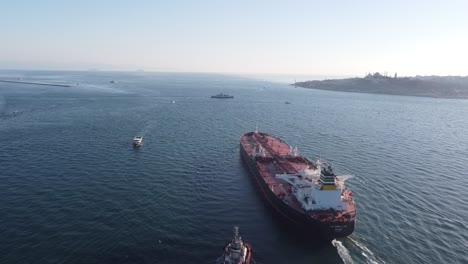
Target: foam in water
x=366, y=252
x=99, y=126
x=346, y=256
x=342, y=251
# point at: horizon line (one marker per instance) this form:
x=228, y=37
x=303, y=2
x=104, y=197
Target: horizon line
x=344, y=75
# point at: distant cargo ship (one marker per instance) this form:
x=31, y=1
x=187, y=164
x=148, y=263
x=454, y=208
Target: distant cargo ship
x=236, y=251
x=307, y=194
x=222, y=96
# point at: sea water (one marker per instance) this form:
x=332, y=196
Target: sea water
x=74, y=190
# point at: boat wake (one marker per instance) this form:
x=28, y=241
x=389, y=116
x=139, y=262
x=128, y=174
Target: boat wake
x=365, y=252
x=342, y=251
x=362, y=253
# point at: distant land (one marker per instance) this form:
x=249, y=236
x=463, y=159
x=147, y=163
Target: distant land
x=377, y=83
x=36, y=83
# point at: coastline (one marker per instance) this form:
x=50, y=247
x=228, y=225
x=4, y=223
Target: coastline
x=448, y=87
x=36, y=83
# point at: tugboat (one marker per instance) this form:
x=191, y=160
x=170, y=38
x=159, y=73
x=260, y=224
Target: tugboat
x=137, y=141
x=222, y=96
x=236, y=251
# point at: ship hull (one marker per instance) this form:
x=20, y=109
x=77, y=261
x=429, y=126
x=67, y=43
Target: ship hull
x=302, y=221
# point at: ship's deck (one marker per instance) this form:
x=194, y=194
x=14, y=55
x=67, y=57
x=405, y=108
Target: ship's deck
x=277, y=160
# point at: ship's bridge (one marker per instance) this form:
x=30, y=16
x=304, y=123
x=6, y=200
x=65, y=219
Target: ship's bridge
x=317, y=189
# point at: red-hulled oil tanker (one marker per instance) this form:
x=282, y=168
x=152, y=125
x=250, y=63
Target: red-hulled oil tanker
x=307, y=194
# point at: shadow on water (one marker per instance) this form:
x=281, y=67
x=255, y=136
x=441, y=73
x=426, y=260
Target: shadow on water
x=136, y=151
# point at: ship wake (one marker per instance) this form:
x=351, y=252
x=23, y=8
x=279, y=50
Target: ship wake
x=361, y=253
x=366, y=252
x=342, y=251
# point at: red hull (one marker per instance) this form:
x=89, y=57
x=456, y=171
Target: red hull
x=277, y=160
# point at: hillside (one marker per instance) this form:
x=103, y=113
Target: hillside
x=428, y=86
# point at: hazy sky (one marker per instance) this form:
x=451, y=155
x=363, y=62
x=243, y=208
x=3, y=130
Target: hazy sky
x=346, y=37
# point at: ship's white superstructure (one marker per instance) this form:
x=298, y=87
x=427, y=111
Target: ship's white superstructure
x=318, y=188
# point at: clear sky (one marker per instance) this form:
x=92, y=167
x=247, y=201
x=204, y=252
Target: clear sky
x=348, y=37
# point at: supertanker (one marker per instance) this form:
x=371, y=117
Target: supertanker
x=307, y=194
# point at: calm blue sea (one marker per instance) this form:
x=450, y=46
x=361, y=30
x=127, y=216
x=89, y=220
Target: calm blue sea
x=73, y=190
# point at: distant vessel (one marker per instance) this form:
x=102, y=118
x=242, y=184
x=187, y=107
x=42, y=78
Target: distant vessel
x=236, y=251
x=112, y=81
x=222, y=95
x=307, y=194
x=173, y=101
x=287, y=102
x=137, y=141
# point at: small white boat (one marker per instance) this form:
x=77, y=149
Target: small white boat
x=137, y=141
